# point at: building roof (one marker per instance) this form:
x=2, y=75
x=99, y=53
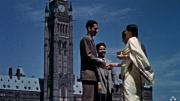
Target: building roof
x=77, y=87
x=23, y=83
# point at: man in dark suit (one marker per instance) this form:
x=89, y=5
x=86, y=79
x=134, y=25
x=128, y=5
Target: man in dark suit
x=89, y=63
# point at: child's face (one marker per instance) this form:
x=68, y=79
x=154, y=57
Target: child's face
x=102, y=51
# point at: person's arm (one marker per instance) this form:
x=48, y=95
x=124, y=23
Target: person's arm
x=122, y=55
x=112, y=65
x=88, y=51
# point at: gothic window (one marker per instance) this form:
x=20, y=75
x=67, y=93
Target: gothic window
x=61, y=27
x=58, y=26
x=66, y=93
x=66, y=29
x=63, y=91
x=61, y=75
x=65, y=68
x=60, y=93
x=60, y=69
x=65, y=52
x=64, y=45
x=60, y=46
x=48, y=91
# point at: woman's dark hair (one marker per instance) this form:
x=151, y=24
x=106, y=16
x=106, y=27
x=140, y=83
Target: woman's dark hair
x=123, y=35
x=133, y=29
x=90, y=23
x=100, y=44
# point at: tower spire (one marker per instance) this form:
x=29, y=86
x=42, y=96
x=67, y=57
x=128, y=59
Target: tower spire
x=70, y=8
x=46, y=11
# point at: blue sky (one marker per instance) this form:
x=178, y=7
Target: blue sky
x=22, y=30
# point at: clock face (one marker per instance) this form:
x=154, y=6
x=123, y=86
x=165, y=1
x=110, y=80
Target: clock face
x=61, y=8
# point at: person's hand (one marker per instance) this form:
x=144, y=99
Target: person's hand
x=110, y=66
x=120, y=55
x=99, y=87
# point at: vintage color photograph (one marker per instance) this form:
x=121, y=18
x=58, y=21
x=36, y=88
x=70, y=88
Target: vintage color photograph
x=89, y=50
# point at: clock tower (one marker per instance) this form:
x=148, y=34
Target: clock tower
x=58, y=52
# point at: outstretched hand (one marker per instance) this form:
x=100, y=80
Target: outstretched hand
x=121, y=55
x=110, y=66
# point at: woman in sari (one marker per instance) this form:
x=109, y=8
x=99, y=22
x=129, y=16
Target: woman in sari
x=135, y=66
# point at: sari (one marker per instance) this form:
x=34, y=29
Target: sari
x=136, y=70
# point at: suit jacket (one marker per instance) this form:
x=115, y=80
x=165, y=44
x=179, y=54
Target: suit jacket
x=105, y=79
x=89, y=60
